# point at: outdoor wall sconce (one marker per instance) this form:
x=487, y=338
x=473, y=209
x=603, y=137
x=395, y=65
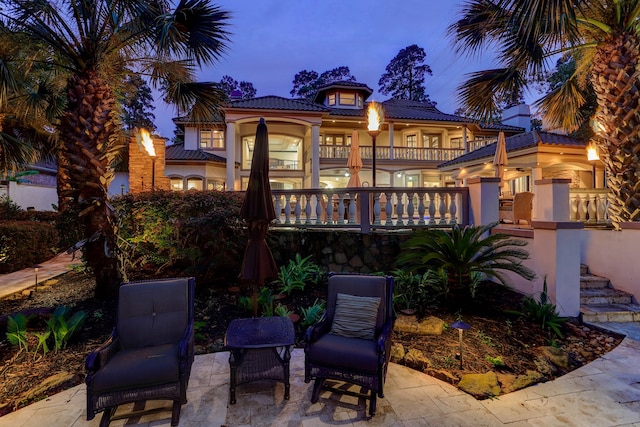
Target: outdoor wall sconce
x=460, y=326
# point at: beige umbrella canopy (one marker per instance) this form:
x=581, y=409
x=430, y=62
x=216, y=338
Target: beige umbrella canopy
x=354, y=162
x=500, y=158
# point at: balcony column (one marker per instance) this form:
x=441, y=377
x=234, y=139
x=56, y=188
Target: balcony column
x=230, y=142
x=391, y=155
x=536, y=175
x=315, y=156
x=465, y=143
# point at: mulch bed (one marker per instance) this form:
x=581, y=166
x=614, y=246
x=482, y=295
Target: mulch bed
x=493, y=333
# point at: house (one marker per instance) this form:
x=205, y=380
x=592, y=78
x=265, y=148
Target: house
x=309, y=142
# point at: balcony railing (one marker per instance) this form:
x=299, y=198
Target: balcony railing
x=397, y=153
x=589, y=205
x=372, y=208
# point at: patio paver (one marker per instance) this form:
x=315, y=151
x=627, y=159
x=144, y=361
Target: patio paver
x=603, y=393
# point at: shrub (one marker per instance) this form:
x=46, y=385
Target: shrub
x=463, y=254
x=297, y=274
x=9, y=210
x=542, y=311
x=25, y=243
x=192, y=232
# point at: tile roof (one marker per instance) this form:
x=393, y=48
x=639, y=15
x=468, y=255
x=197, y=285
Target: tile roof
x=515, y=143
x=177, y=152
x=278, y=103
x=342, y=83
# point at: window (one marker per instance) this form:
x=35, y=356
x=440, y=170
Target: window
x=194, y=184
x=430, y=140
x=334, y=140
x=332, y=99
x=456, y=143
x=211, y=139
x=285, y=152
x=347, y=99
x=411, y=140
x=176, y=183
x=213, y=184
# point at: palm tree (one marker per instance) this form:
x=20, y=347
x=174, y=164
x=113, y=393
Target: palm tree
x=603, y=37
x=93, y=43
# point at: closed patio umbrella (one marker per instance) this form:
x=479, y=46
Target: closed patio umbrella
x=500, y=158
x=354, y=162
x=257, y=209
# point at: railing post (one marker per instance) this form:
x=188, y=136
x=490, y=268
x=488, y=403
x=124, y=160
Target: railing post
x=483, y=196
x=365, y=219
x=553, y=200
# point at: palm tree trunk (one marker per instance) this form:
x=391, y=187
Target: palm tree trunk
x=87, y=133
x=616, y=82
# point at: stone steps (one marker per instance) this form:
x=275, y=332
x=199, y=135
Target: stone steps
x=600, y=302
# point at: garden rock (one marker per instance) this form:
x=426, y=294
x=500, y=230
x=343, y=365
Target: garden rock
x=397, y=353
x=556, y=356
x=51, y=383
x=480, y=386
x=442, y=375
x=511, y=382
x=428, y=326
x=416, y=359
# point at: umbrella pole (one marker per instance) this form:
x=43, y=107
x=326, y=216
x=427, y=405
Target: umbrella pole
x=255, y=300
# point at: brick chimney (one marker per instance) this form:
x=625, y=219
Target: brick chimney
x=146, y=172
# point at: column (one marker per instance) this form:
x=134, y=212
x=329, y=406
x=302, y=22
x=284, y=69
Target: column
x=536, y=175
x=553, y=200
x=465, y=143
x=483, y=196
x=392, y=156
x=230, y=141
x=556, y=249
x=315, y=156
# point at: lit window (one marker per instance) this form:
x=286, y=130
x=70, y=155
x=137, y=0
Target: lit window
x=347, y=99
x=176, y=184
x=411, y=140
x=332, y=99
x=194, y=184
x=430, y=140
x=285, y=152
x=211, y=139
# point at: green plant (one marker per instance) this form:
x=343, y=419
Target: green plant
x=265, y=299
x=42, y=341
x=485, y=339
x=312, y=314
x=496, y=361
x=17, y=331
x=198, y=326
x=542, y=311
x=466, y=255
x=297, y=274
x=62, y=326
x=282, y=310
x=405, y=289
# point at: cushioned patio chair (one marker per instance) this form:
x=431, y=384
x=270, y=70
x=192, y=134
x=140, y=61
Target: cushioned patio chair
x=150, y=352
x=351, y=342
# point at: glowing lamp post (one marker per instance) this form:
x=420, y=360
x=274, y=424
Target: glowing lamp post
x=374, y=120
x=460, y=326
x=147, y=143
x=593, y=157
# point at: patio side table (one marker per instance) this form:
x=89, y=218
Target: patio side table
x=259, y=349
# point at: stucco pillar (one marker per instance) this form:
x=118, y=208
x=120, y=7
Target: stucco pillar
x=557, y=250
x=465, y=143
x=536, y=175
x=230, y=141
x=315, y=156
x=483, y=198
x=553, y=200
x=392, y=156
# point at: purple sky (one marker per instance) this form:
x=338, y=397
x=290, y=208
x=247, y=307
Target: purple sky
x=272, y=40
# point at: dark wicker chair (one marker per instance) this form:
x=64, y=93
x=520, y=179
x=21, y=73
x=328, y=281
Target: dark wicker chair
x=359, y=361
x=149, y=354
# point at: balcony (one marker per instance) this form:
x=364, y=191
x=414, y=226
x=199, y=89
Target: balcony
x=333, y=152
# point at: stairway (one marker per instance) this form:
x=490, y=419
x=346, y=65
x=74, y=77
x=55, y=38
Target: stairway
x=600, y=302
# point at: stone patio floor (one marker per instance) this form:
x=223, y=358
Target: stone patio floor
x=603, y=393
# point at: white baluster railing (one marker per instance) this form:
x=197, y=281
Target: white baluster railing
x=589, y=205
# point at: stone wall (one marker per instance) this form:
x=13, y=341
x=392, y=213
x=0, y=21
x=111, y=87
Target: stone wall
x=339, y=251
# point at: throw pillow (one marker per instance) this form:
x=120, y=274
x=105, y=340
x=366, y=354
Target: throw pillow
x=355, y=317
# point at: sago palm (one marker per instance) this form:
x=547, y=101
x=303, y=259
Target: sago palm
x=93, y=42
x=603, y=37
x=463, y=252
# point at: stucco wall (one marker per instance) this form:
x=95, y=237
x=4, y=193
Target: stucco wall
x=40, y=197
x=613, y=254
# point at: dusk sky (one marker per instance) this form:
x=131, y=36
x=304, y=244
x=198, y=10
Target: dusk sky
x=272, y=40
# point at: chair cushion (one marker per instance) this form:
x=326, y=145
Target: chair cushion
x=355, y=317
x=141, y=367
x=344, y=353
